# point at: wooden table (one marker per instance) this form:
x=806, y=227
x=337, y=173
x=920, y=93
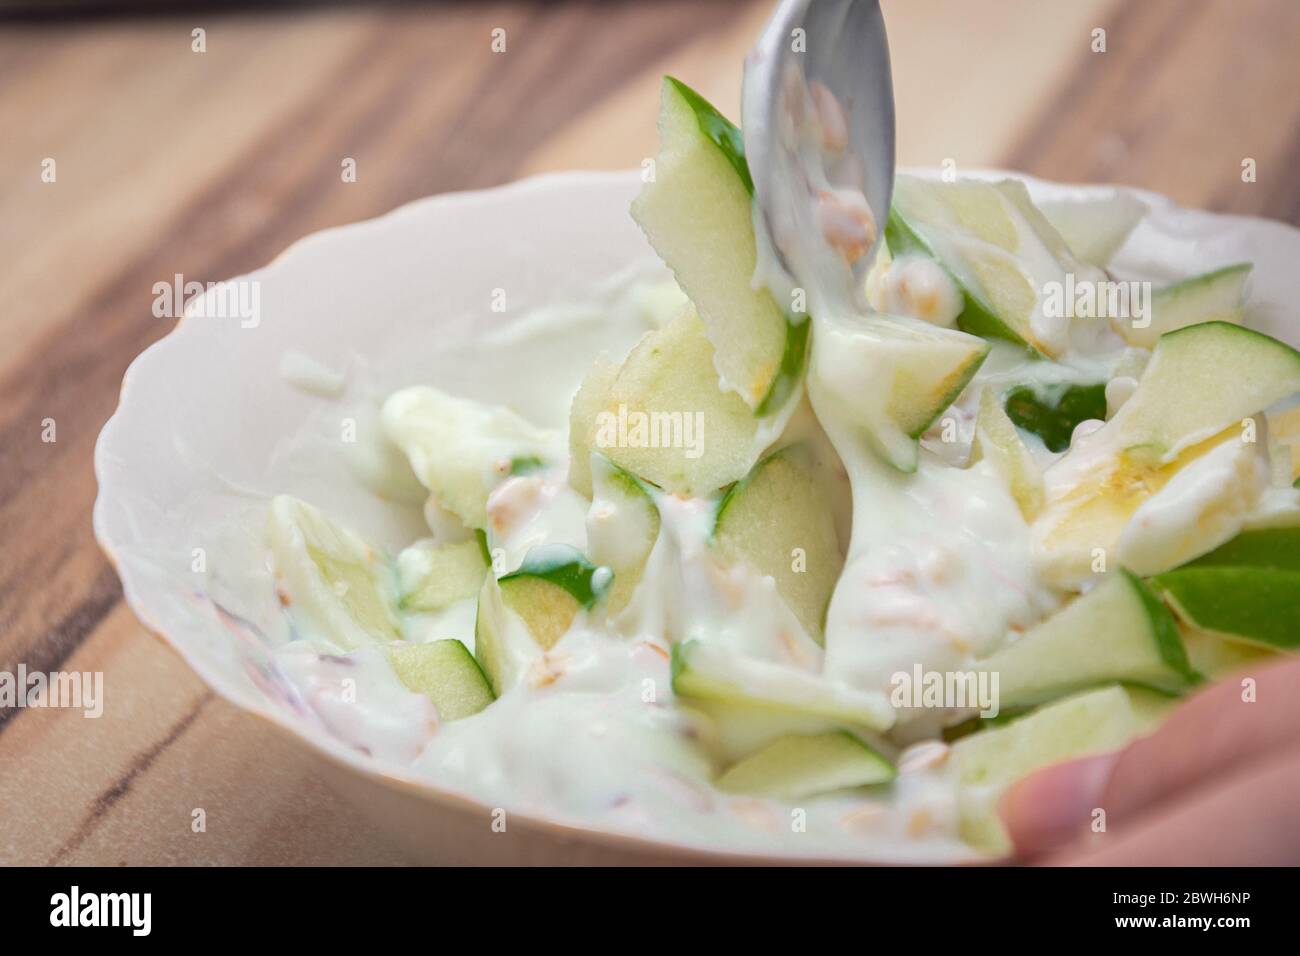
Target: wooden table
x=209, y=164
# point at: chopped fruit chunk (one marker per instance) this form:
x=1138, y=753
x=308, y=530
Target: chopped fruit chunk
x=666, y=420
x=446, y=673
x=999, y=248
x=890, y=377
x=997, y=441
x=1118, y=631
x=989, y=761
x=434, y=576
x=1216, y=296
x=1201, y=380
x=711, y=673
x=772, y=521
x=696, y=211
x=331, y=578
x=583, y=415
x=553, y=584
x=460, y=449
x=795, y=767
x=622, y=527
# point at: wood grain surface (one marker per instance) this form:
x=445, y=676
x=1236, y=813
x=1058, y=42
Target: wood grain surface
x=209, y=164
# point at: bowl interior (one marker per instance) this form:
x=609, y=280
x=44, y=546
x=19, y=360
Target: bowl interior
x=200, y=439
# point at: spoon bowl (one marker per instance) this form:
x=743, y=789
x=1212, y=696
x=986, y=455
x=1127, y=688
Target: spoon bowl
x=810, y=48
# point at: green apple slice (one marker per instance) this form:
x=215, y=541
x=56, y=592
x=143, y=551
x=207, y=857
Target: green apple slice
x=1217, y=655
x=1117, y=632
x=666, y=420
x=891, y=377
x=1200, y=380
x=1275, y=548
x=795, y=767
x=1001, y=251
x=997, y=441
x=502, y=643
x=1260, y=605
x=697, y=213
x=329, y=577
x=989, y=761
x=446, y=673
x=434, y=576
x=461, y=449
x=775, y=521
x=588, y=403
x=1054, y=412
x=710, y=673
x=622, y=527
x=1217, y=296
x=550, y=587
x=1095, y=228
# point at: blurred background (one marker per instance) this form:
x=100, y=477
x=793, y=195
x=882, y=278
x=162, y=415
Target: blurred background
x=147, y=139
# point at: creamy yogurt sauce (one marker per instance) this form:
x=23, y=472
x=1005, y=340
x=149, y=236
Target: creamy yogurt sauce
x=590, y=733
x=940, y=572
x=941, y=568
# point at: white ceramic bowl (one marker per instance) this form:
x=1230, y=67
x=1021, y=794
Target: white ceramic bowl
x=192, y=448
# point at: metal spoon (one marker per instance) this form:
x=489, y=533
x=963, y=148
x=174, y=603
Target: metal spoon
x=839, y=45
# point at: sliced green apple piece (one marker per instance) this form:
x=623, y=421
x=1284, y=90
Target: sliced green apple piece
x=738, y=730
x=446, y=673
x=461, y=449
x=710, y=673
x=1096, y=227
x=697, y=213
x=1117, y=632
x=1216, y=655
x=989, y=761
x=774, y=521
x=890, y=377
x=622, y=527
x=666, y=420
x=1053, y=413
x=340, y=585
x=998, y=442
x=1200, y=380
x=1273, y=548
x=1260, y=605
x=588, y=403
x=795, y=767
x=1217, y=296
x=434, y=576
x=550, y=587
x=1001, y=251
x=502, y=644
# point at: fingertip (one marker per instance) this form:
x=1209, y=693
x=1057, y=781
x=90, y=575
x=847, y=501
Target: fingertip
x=1050, y=808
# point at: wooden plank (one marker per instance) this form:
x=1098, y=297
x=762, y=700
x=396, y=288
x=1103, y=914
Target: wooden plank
x=1186, y=90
